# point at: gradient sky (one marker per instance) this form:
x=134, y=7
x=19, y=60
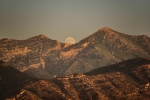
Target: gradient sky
x=59, y=19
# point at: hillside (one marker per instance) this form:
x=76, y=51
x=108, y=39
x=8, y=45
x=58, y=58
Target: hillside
x=127, y=80
x=11, y=80
x=42, y=57
x=106, y=47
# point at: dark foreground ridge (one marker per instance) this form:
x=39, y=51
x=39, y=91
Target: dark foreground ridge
x=124, y=66
x=11, y=80
x=127, y=80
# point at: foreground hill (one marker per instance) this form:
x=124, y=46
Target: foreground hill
x=127, y=80
x=11, y=80
x=42, y=57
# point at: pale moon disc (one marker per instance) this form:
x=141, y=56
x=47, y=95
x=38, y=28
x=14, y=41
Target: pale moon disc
x=70, y=40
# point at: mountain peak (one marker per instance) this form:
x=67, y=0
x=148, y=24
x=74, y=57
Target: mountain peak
x=39, y=36
x=42, y=36
x=105, y=29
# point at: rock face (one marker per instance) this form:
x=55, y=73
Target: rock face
x=42, y=57
x=127, y=80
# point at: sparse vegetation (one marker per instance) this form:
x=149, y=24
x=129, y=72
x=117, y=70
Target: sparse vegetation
x=125, y=80
x=109, y=54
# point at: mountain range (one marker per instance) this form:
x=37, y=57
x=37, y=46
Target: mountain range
x=45, y=58
x=107, y=65
x=126, y=80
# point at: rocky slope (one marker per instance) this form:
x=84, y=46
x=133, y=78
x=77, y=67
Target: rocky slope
x=127, y=80
x=29, y=55
x=106, y=47
x=42, y=57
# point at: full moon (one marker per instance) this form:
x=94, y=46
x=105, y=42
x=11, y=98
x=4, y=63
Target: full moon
x=70, y=40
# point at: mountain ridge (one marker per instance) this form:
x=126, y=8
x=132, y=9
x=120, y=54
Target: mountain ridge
x=42, y=57
x=108, y=83
x=106, y=29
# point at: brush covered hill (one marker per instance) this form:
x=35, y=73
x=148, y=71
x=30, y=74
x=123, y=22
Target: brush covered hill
x=11, y=80
x=42, y=57
x=127, y=80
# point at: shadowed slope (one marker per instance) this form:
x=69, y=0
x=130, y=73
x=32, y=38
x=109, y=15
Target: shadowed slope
x=124, y=66
x=11, y=80
x=127, y=80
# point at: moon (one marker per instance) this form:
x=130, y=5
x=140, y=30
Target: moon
x=70, y=40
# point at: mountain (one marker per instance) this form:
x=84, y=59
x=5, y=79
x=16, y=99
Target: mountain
x=127, y=80
x=42, y=57
x=11, y=80
x=29, y=55
x=106, y=47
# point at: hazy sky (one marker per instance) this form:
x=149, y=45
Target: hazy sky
x=59, y=19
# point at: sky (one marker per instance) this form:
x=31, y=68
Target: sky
x=59, y=19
